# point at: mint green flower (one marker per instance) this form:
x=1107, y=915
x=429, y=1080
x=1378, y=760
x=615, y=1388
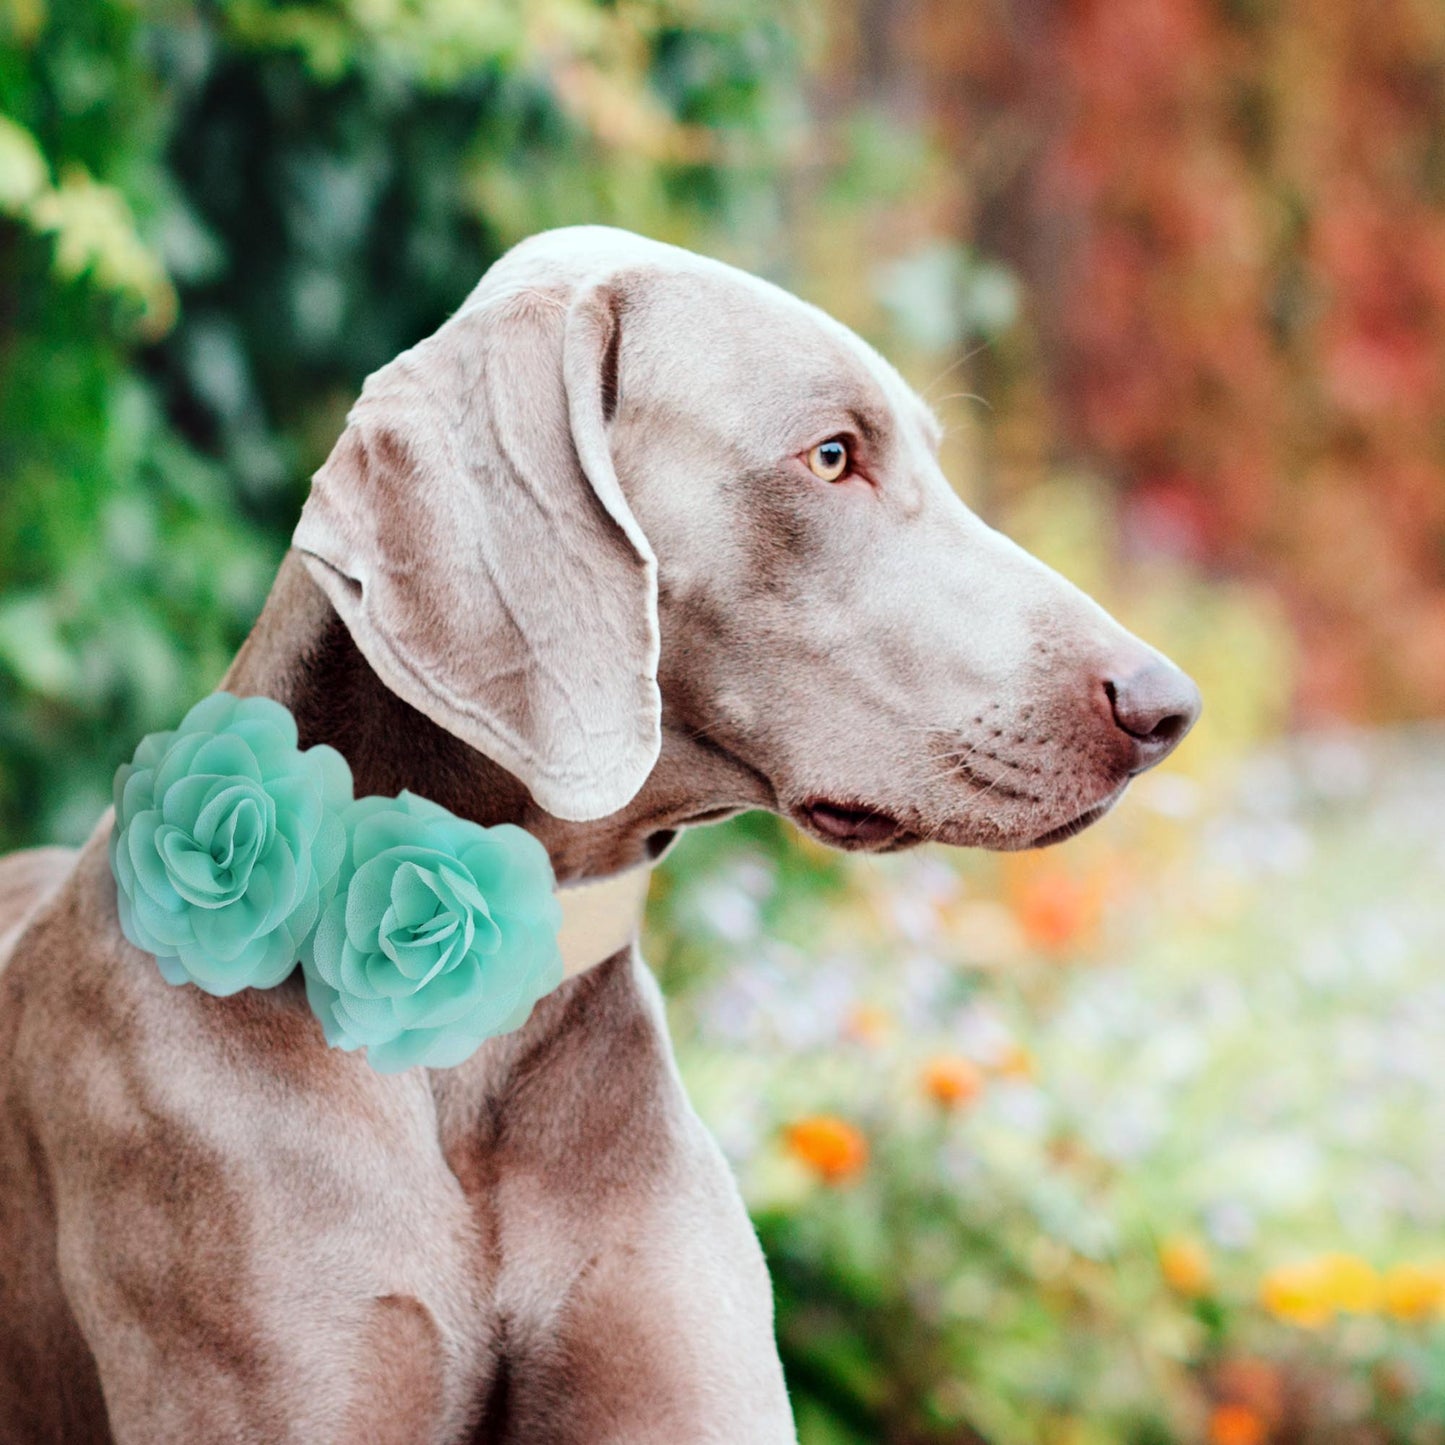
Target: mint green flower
x=227, y=842
x=442, y=934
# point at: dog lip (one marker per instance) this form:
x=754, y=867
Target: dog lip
x=841, y=823
x=1076, y=825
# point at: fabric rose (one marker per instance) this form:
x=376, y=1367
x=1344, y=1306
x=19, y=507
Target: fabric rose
x=442, y=934
x=228, y=840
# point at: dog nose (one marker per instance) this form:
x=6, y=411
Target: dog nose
x=1156, y=705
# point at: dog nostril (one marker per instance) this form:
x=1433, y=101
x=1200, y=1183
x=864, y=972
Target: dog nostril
x=1168, y=729
x=1156, y=706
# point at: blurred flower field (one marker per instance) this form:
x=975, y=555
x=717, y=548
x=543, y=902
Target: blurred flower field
x=1138, y=1139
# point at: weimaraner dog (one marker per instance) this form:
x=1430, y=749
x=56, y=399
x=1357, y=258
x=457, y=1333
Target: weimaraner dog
x=633, y=542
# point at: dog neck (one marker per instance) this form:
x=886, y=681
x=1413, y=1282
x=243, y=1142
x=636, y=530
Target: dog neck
x=301, y=654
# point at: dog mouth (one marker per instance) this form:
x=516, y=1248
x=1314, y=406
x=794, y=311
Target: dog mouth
x=858, y=828
x=1076, y=825
x=851, y=826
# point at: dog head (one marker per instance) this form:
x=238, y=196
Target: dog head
x=625, y=488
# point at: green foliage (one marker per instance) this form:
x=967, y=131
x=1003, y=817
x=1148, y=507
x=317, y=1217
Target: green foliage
x=215, y=220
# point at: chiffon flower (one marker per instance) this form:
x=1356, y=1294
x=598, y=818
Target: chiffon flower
x=228, y=841
x=442, y=934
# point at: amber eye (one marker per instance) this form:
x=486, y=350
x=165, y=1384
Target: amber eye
x=829, y=460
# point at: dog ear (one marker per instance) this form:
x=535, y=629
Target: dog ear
x=470, y=530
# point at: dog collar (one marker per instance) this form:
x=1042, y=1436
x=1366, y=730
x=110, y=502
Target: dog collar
x=600, y=917
x=237, y=854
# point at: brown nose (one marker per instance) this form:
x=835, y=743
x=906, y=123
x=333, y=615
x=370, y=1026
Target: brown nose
x=1156, y=705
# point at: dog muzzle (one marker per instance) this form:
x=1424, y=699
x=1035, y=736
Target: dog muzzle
x=420, y=935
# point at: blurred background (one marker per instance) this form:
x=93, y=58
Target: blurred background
x=1140, y=1139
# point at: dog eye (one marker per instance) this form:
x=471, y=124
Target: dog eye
x=829, y=460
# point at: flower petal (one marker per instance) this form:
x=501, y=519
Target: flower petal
x=369, y=1020
x=212, y=849
x=444, y=1000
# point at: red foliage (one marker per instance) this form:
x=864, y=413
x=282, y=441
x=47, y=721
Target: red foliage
x=1232, y=215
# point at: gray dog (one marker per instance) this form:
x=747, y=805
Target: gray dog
x=635, y=541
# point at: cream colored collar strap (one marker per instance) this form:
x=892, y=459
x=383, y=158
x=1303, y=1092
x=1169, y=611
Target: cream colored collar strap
x=599, y=917
x=420, y=935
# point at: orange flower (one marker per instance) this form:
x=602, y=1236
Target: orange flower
x=1236, y=1425
x=1185, y=1264
x=952, y=1080
x=1017, y=1063
x=1415, y=1291
x=1254, y=1383
x=831, y=1147
x=1055, y=910
x=868, y=1024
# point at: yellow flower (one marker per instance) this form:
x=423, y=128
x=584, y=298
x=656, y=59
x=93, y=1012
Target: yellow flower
x=1312, y=1292
x=1186, y=1267
x=952, y=1080
x=1295, y=1293
x=1415, y=1291
x=831, y=1147
x=1352, y=1285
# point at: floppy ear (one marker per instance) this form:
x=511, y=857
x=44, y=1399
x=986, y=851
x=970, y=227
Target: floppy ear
x=470, y=530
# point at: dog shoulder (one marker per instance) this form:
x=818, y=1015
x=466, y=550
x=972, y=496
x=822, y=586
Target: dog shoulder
x=27, y=879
